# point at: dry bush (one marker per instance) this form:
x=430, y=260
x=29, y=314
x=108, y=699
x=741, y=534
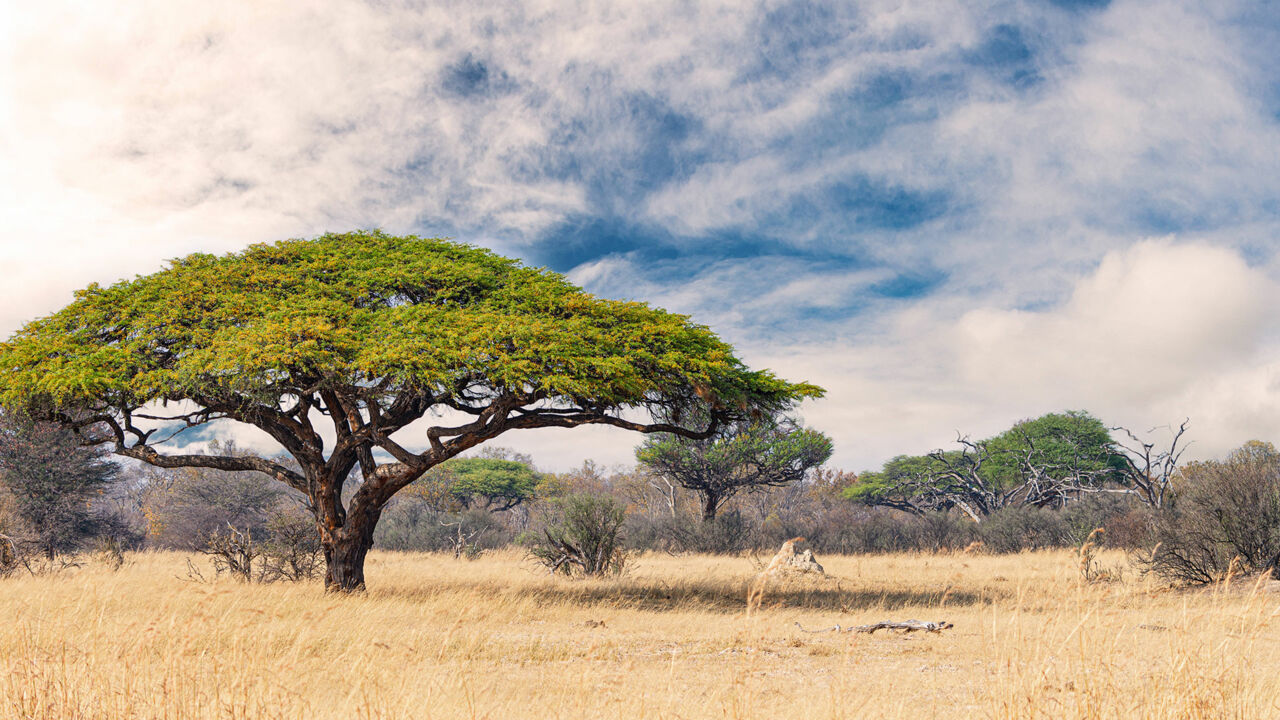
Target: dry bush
x=411, y=524
x=585, y=538
x=1130, y=530
x=184, y=507
x=1018, y=528
x=289, y=552
x=232, y=552
x=1225, y=516
x=1091, y=569
x=8, y=556
x=292, y=548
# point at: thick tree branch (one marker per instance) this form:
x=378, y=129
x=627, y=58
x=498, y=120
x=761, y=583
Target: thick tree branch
x=147, y=454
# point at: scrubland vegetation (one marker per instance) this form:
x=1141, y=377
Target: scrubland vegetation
x=673, y=637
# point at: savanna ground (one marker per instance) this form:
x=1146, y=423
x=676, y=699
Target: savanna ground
x=674, y=637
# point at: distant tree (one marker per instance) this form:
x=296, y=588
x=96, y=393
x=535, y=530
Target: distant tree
x=368, y=334
x=1041, y=462
x=486, y=483
x=745, y=456
x=52, y=481
x=921, y=484
x=186, y=506
x=1148, y=469
x=1053, y=458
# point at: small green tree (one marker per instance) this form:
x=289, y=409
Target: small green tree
x=745, y=456
x=365, y=334
x=486, y=483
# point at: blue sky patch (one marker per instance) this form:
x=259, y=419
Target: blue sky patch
x=471, y=77
x=909, y=285
x=1006, y=54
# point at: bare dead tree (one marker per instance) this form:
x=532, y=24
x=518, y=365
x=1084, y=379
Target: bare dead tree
x=665, y=487
x=1148, y=471
x=461, y=540
x=233, y=552
x=962, y=479
x=1050, y=480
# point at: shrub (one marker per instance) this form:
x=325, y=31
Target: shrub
x=292, y=549
x=948, y=530
x=1131, y=529
x=51, y=482
x=9, y=560
x=187, y=506
x=1223, y=512
x=1082, y=517
x=728, y=533
x=232, y=552
x=585, y=539
x=411, y=524
x=1018, y=528
x=883, y=533
x=286, y=549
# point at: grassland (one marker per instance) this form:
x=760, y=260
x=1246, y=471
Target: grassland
x=674, y=638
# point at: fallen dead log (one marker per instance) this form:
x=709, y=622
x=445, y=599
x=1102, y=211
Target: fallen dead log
x=905, y=626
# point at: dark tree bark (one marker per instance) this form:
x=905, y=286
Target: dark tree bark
x=345, y=551
x=362, y=422
x=710, y=505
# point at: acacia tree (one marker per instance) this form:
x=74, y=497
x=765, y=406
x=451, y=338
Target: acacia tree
x=1041, y=462
x=747, y=455
x=336, y=347
x=487, y=483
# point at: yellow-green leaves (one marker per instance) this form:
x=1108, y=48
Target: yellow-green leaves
x=365, y=308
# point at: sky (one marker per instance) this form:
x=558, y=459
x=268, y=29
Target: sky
x=950, y=215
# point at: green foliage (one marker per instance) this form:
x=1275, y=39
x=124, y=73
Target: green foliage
x=586, y=539
x=1037, y=462
x=490, y=483
x=1071, y=444
x=744, y=456
x=872, y=486
x=368, y=308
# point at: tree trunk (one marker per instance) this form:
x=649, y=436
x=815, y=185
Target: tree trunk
x=711, y=503
x=344, y=553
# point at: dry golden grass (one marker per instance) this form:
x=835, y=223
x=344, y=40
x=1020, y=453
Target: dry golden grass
x=494, y=638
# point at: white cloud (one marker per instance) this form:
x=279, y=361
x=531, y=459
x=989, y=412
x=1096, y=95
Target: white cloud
x=1158, y=332
x=134, y=132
